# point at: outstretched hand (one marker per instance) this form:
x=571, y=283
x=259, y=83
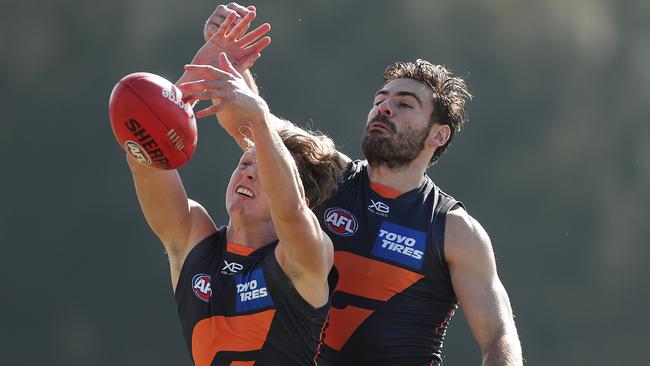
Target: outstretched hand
x=231, y=38
x=226, y=87
x=216, y=19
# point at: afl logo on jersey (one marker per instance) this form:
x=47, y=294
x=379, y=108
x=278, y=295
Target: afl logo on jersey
x=202, y=287
x=341, y=222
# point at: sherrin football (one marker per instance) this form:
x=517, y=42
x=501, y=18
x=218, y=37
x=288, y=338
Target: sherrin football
x=151, y=122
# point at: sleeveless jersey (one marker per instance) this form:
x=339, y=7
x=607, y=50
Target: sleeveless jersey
x=239, y=310
x=394, y=297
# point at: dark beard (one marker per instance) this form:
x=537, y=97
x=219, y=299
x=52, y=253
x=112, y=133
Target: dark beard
x=395, y=150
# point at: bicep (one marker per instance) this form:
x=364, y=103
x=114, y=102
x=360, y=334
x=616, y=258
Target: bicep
x=174, y=218
x=482, y=297
x=163, y=201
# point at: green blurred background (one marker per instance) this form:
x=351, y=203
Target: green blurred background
x=554, y=162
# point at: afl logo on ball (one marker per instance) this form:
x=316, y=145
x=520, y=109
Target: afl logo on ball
x=341, y=222
x=137, y=152
x=202, y=287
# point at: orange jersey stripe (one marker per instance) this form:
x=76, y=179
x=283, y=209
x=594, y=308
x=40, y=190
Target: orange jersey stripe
x=234, y=333
x=385, y=191
x=367, y=278
x=321, y=337
x=239, y=249
x=344, y=323
x=370, y=278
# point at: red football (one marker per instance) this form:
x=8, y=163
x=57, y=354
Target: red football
x=151, y=122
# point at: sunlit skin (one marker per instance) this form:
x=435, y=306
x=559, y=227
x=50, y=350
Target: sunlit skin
x=405, y=102
x=252, y=213
x=402, y=107
x=398, y=136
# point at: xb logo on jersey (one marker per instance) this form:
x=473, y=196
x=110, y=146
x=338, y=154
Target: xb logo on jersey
x=202, y=287
x=341, y=222
x=378, y=208
x=231, y=268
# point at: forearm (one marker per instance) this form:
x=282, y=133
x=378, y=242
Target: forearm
x=163, y=202
x=505, y=351
x=278, y=173
x=303, y=246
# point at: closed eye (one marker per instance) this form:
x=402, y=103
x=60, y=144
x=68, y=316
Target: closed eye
x=405, y=105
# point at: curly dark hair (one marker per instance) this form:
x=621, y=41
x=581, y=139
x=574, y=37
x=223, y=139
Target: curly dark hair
x=450, y=94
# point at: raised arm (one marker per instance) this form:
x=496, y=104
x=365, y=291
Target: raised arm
x=304, y=252
x=482, y=297
x=231, y=38
x=217, y=21
x=178, y=222
x=217, y=18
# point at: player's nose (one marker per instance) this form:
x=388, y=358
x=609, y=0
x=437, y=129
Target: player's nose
x=385, y=108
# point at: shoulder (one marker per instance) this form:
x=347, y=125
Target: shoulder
x=465, y=237
x=353, y=170
x=202, y=224
x=201, y=227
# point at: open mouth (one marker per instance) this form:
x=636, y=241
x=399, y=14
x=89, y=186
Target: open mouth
x=245, y=192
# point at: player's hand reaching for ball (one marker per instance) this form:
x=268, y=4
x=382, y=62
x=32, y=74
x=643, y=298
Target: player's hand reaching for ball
x=242, y=48
x=226, y=87
x=220, y=14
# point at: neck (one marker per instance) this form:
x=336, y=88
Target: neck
x=403, y=179
x=254, y=235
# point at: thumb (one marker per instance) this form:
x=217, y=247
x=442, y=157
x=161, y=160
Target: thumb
x=226, y=65
x=247, y=62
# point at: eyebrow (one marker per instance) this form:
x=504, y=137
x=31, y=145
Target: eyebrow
x=402, y=94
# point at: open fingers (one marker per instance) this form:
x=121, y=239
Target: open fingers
x=214, y=109
x=226, y=25
x=241, y=10
x=215, y=20
x=253, y=35
x=241, y=27
x=247, y=62
x=208, y=71
x=205, y=95
x=200, y=85
x=219, y=15
x=258, y=46
x=226, y=66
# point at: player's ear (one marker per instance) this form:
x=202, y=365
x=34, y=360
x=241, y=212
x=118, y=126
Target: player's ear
x=439, y=135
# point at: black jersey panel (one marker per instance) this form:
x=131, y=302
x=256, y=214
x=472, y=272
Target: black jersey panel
x=394, y=297
x=239, y=309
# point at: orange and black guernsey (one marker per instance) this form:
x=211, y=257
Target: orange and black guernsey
x=237, y=307
x=394, y=298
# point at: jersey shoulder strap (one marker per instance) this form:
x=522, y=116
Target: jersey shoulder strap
x=444, y=203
